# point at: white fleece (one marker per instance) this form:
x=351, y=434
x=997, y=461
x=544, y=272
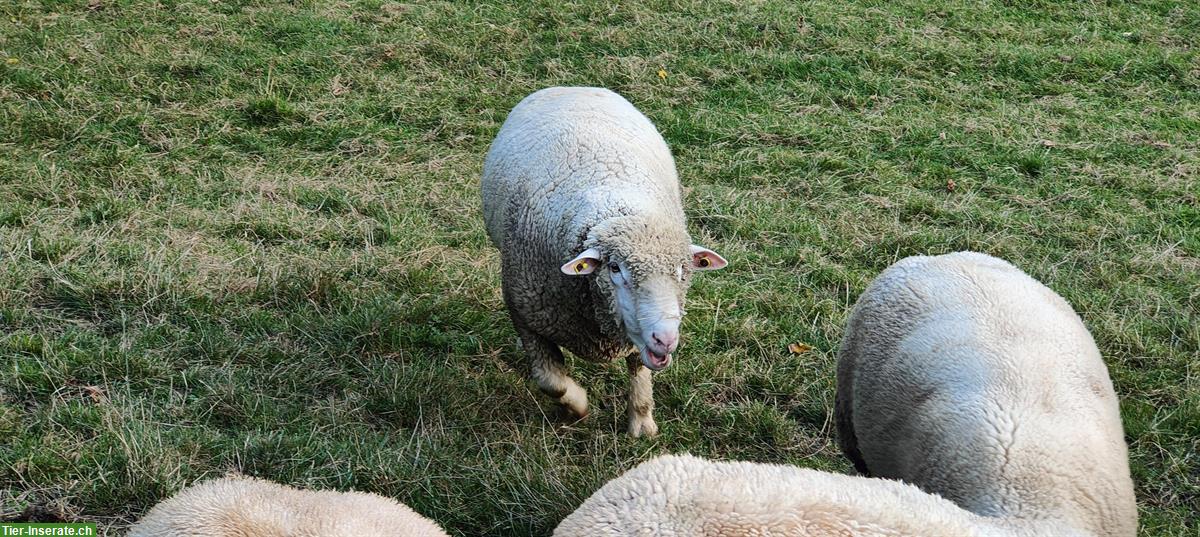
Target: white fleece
x=685, y=496
x=964, y=376
x=248, y=507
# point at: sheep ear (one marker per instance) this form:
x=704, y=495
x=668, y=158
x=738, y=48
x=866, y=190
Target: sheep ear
x=584, y=263
x=705, y=259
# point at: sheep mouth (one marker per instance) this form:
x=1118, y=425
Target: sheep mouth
x=656, y=362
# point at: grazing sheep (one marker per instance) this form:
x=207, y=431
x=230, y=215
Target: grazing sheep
x=581, y=198
x=962, y=375
x=243, y=507
x=684, y=496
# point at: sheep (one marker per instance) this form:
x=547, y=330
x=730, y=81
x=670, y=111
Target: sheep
x=964, y=376
x=973, y=393
x=678, y=496
x=581, y=198
x=241, y=506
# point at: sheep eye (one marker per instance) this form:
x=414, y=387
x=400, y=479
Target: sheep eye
x=614, y=267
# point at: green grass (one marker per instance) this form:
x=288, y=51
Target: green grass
x=246, y=235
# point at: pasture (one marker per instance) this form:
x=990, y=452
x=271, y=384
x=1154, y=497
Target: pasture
x=246, y=235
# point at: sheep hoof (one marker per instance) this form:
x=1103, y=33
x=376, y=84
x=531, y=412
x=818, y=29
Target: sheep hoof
x=640, y=426
x=574, y=402
x=566, y=415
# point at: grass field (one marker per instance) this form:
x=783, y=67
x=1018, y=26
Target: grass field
x=240, y=235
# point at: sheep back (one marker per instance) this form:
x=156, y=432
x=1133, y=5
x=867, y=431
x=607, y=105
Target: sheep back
x=687, y=496
x=238, y=507
x=961, y=374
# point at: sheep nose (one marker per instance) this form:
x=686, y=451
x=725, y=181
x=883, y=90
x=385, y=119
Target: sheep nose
x=667, y=341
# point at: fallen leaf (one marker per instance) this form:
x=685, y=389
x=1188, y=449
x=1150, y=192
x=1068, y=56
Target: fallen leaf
x=799, y=348
x=1049, y=143
x=950, y=185
x=662, y=73
x=337, y=87
x=96, y=393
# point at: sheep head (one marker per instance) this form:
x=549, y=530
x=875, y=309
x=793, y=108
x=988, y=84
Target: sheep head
x=641, y=267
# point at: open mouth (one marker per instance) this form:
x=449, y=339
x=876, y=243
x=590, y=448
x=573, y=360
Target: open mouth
x=655, y=362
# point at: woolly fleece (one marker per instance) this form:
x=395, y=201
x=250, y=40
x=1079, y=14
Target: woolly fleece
x=964, y=376
x=685, y=496
x=247, y=507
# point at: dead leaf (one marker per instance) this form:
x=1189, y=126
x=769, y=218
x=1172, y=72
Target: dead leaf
x=1049, y=143
x=799, y=348
x=662, y=73
x=96, y=393
x=879, y=201
x=950, y=185
x=337, y=87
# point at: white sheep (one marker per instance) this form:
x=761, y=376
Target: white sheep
x=958, y=374
x=581, y=198
x=684, y=496
x=962, y=375
x=243, y=507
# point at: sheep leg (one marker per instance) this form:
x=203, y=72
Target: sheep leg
x=641, y=399
x=548, y=370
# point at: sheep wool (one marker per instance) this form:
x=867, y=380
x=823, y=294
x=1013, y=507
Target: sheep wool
x=964, y=376
x=581, y=198
x=685, y=496
x=247, y=507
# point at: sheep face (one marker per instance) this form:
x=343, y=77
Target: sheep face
x=644, y=282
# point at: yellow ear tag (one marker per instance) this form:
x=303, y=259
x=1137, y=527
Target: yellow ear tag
x=581, y=266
